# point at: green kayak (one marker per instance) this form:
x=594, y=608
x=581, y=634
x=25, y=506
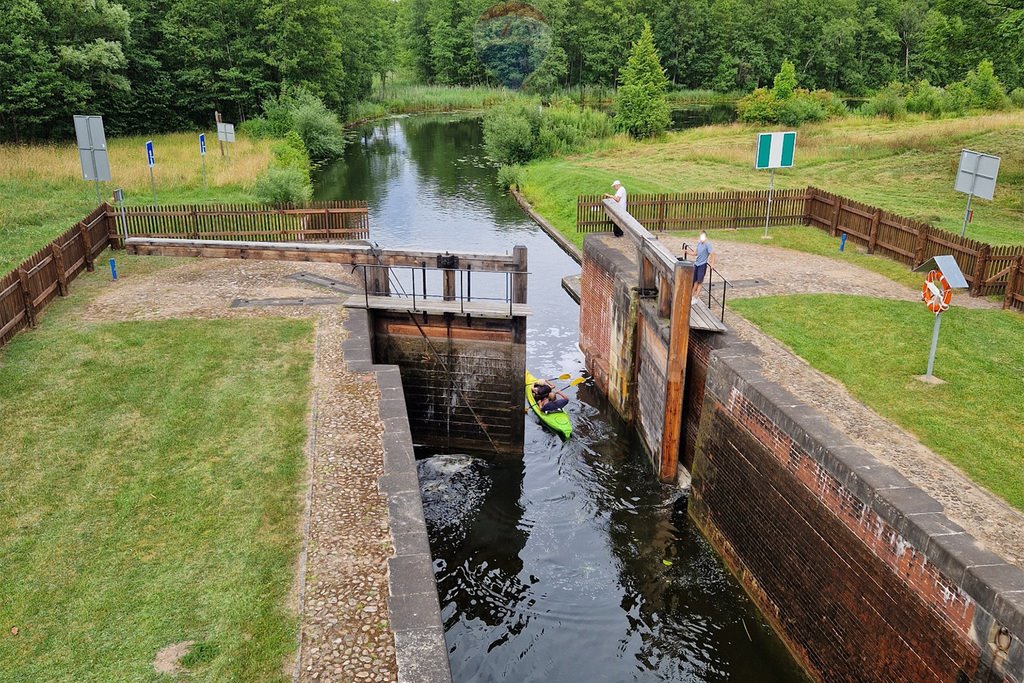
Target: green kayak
x=556, y=421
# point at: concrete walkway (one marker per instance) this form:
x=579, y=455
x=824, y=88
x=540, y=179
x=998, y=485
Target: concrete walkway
x=987, y=517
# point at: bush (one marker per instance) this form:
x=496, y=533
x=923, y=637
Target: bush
x=1017, y=97
x=306, y=114
x=291, y=153
x=986, y=90
x=801, y=109
x=283, y=186
x=958, y=98
x=509, y=176
x=831, y=103
x=521, y=131
x=785, y=81
x=926, y=98
x=888, y=102
x=760, y=106
x=641, y=108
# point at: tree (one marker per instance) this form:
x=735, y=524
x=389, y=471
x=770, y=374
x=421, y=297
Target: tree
x=785, y=81
x=641, y=108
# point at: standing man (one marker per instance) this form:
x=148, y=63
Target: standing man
x=620, y=194
x=705, y=254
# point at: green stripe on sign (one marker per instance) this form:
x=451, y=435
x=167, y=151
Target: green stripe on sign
x=764, y=149
x=788, y=145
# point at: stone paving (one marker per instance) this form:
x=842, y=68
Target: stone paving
x=342, y=584
x=987, y=517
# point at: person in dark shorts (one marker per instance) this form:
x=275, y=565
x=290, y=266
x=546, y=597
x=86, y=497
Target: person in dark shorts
x=705, y=254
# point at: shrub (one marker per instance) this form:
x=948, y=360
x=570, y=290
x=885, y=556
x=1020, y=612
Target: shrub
x=641, y=108
x=1017, y=97
x=760, y=106
x=283, y=186
x=926, y=98
x=291, y=153
x=785, y=81
x=509, y=176
x=958, y=98
x=888, y=102
x=799, y=109
x=986, y=90
x=831, y=103
x=319, y=128
x=521, y=131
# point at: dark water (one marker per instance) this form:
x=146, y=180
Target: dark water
x=573, y=564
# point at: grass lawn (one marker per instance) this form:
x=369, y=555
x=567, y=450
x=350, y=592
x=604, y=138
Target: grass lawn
x=150, y=479
x=903, y=166
x=42, y=192
x=876, y=347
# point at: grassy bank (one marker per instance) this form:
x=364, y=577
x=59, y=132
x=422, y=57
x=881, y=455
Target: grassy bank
x=42, y=192
x=150, y=502
x=876, y=347
x=904, y=166
x=415, y=99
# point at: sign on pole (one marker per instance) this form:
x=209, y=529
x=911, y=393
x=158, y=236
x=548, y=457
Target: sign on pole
x=774, y=150
x=976, y=177
x=92, y=150
x=151, y=160
x=202, y=155
x=225, y=133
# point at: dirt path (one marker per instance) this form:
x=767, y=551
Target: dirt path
x=987, y=517
x=341, y=588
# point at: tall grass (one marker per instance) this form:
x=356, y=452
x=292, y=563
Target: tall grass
x=42, y=192
x=407, y=98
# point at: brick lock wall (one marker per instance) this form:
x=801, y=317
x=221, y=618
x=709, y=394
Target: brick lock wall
x=596, y=301
x=652, y=359
x=853, y=598
x=693, y=396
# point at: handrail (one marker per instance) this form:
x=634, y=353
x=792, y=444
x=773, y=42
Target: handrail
x=462, y=293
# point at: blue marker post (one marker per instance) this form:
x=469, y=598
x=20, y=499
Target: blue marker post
x=151, y=160
x=842, y=242
x=113, y=269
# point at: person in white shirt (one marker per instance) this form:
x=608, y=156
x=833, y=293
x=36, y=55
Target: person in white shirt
x=620, y=194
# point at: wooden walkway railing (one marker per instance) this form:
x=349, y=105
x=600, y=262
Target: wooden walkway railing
x=319, y=222
x=990, y=270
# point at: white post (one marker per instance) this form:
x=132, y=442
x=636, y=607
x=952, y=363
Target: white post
x=935, y=343
x=768, y=213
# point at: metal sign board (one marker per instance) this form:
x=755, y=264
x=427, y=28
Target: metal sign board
x=977, y=174
x=775, y=150
x=92, y=148
x=150, y=158
x=202, y=144
x=226, y=132
x=949, y=268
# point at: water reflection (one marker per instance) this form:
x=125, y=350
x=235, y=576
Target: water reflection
x=572, y=564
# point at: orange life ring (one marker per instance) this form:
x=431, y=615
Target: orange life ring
x=936, y=299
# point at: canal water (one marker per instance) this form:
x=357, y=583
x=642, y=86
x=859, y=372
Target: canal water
x=572, y=564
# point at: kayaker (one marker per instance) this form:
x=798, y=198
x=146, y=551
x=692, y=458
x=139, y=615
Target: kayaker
x=550, y=404
x=541, y=390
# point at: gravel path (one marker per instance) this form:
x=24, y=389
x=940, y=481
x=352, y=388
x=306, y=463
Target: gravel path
x=987, y=517
x=341, y=585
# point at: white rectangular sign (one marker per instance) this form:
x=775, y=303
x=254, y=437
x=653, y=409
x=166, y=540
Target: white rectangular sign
x=226, y=132
x=92, y=148
x=977, y=174
x=775, y=150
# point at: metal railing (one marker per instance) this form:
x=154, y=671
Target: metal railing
x=709, y=286
x=453, y=284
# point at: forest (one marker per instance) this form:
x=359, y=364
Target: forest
x=161, y=65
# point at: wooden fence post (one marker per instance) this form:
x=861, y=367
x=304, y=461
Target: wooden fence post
x=1013, y=282
x=662, y=206
x=873, y=237
x=86, y=246
x=110, y=221
x=58, y=264
x=26, y=294
x=980, y=267
x=519, y=277
x=809, y=198
x=922, y=242
x=837, y=204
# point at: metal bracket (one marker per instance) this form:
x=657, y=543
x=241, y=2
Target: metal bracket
x=448, y=261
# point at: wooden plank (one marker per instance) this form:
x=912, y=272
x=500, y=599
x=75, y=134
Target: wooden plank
x=679, y=340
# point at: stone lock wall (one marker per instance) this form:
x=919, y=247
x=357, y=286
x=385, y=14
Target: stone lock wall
x=859, y=570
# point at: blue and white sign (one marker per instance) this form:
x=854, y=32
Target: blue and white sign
x=202, y=144
x=149, y=153
x=775, y=150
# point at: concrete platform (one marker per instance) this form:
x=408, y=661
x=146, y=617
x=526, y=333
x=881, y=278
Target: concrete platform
x=572, y=286
x=484, y=309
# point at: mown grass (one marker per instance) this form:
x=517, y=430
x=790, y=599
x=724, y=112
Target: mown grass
x=904, y=166
x=875, y=348
x=42, y=192
x=150, y=480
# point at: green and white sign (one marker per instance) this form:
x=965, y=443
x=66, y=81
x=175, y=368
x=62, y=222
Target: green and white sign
x=775, y=150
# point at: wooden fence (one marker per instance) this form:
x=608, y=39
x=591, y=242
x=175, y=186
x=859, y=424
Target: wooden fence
x=318, y=222
x=46, y=274
x=696, y=210
x=989, y=270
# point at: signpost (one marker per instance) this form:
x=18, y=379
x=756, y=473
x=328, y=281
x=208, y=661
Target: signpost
x=151, y=159
x=225, y=133
x=202, y=155
x=976, y=177
x=774, y=150
x=92, y=150
x=944, y=275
